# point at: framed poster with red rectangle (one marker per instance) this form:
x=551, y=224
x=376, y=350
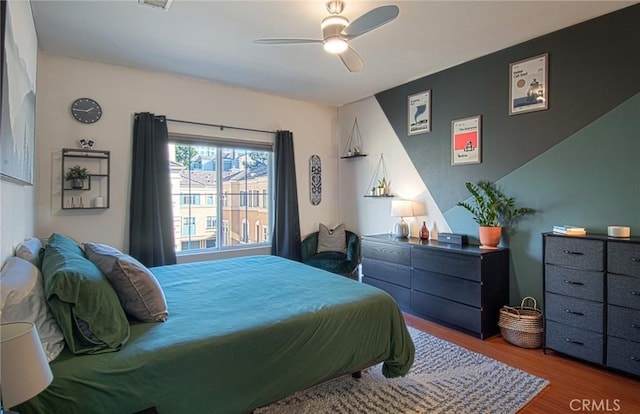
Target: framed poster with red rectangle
x=466, y=141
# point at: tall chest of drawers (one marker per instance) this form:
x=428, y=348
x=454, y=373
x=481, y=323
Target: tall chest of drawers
x=592, y=299
x=462, y=287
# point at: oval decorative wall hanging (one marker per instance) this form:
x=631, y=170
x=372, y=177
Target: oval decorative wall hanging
x=315, y=179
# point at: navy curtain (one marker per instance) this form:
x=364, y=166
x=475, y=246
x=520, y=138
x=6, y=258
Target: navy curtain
x=151, y=219
x=285, y=238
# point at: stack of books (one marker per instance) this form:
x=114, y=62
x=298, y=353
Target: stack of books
x=570, y=230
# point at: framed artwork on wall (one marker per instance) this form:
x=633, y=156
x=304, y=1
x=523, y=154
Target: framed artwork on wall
x=18, y=107
x=466, y=141
x=529, y=85
x=419, y=113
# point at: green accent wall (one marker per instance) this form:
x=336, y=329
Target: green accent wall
x=591, y=179
x=592, y=69
x=577, y=162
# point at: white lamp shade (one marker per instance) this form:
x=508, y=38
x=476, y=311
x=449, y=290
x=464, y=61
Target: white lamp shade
x=419, y=209
x=401, y=208
x=24, y=370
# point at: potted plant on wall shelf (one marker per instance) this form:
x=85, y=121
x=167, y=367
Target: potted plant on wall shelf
x=77, y=175
x=492, y=210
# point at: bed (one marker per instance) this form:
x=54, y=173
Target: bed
x=241, y=333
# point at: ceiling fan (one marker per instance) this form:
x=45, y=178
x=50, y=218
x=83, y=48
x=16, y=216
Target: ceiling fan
x=337, y=32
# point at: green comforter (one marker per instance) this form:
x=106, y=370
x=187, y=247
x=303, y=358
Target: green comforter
x=241, y=333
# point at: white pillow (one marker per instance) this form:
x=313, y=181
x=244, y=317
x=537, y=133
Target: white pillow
x=30, y=250
x=22, y=300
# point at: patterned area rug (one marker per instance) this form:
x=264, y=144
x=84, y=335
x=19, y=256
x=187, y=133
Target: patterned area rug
x=445, y=378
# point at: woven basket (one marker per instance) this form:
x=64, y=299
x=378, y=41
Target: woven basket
x=522, y=325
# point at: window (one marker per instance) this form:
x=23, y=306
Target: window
x=216, y=189
x=245, y=231
x=188, y=226
x=186, y=199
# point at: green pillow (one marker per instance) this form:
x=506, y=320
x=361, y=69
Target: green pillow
x=60, y=240
x=83, y=302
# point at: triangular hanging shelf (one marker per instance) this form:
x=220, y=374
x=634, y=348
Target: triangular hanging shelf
x=354, y=147
x=380, y=185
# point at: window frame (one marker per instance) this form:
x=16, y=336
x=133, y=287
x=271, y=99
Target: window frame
x=226, y=200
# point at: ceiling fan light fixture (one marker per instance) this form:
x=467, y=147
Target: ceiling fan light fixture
x=334, y=20
x=335, y=45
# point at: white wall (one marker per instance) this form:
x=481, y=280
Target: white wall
x=367, y=215
x=16, y=216
x=123, y=91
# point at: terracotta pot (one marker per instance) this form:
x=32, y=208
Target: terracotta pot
x=490, y=237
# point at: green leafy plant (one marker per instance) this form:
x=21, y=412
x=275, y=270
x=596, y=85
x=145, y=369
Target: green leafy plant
x=491, y=208
x=77, y=172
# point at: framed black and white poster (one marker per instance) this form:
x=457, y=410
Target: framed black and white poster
x=419, y=113
x=466, y=140
x=18, y=107
x=529, y=88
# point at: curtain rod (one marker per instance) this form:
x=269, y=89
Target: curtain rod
x=222, y=127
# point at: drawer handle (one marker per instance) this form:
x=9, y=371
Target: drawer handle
x=570, y=252
x=635, y=293
x=635, y=325
x=637, y=359
x=573, y=341
x=573, y=312
x=571, y=282
x=635, y=259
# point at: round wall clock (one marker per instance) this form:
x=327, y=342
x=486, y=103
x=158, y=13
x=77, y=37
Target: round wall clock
x=86, y=110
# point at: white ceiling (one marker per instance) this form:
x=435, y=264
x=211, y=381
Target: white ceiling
x=213, y=40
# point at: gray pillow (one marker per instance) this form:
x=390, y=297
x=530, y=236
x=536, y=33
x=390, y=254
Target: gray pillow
x=332, y=240
x=138, y=290
x=29, y=250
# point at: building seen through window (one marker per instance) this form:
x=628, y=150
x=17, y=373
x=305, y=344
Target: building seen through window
x=221, y=196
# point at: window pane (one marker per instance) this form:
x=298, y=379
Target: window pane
x=241, y=196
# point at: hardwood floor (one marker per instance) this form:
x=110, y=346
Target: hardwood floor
x=574, y=386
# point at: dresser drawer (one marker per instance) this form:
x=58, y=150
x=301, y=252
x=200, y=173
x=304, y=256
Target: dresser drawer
x=387, y=252
x=464, y=316
x=400, y=294
x=624, y=258
x=624, y=290
x=576, y=253
x=575, y=312
x=623, y=323
x=577, y=283
x=576, y=342
x=388, y=272
x=623, y=355
x=447, y=287
x=464, y=266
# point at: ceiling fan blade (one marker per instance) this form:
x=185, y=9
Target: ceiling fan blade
x=352, y=60
x=285, y=41
x=370, y=20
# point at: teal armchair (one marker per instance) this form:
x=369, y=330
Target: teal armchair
x=334, y=262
